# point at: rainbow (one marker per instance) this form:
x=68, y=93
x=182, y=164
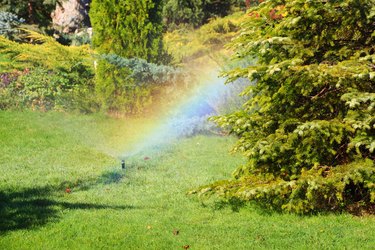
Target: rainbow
x=198, y=104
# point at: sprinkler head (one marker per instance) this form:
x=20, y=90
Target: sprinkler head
x=123, y=164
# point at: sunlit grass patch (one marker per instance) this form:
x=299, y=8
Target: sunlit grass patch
x=60, y=190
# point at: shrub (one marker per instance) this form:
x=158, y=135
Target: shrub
x=308, y=128
x=47, y=53
x=132, y=85
x=8, y=24
x=65, y=75
x=184, y=126
x=195, y=12
x=41, y=89
x=186, y=44
x=136, y=32
x=33, y=12
x=77, y=39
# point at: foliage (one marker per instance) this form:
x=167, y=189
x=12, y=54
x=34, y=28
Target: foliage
x=308, y=129
x=8, y=24
x=41, y=89
x=146, y=73
x=195, y=12
x=232, y=100
x=128, y=28
x=47, y=53
x=117, y=91
x=185, y=44
x=131, y=85
x=40, y=75
x=177, y=12
x=33, y=11
x=184, y=126
x=76, y=39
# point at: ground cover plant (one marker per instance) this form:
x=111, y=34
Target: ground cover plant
x=62, y=188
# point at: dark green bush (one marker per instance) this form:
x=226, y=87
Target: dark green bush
x=195, y=12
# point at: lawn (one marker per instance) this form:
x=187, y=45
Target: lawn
x=62, y=187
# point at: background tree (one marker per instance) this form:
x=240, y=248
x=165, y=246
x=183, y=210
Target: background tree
x=130, y=29
x=179, y=11
x=308, y=129
x=33, y=11
x=196, y=12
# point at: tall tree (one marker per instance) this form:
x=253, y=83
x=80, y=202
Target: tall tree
x=130, y=29
x=308, y=130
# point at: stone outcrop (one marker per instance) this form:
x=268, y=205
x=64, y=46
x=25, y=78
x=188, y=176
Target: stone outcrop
x=71, y=15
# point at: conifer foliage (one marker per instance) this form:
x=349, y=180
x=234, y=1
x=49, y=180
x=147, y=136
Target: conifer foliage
x=308, y=129
x=129, y=29
x=32, y=11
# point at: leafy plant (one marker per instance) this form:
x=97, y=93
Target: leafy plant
x=128, y=28
x=77, y=39
x=41, y=89
x=132, y=85
x=46, y=52
x=195, y=12
x=308, y=129
x=32, y=11
x=186, y=44
x=52, y=75
x=8, y=24
x=145, y=73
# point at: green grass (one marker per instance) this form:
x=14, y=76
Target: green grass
x=42, y=154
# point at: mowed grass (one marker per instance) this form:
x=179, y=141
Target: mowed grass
x=143, y=207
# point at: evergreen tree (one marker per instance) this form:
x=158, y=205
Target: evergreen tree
x=130, y=29
x=308, y=129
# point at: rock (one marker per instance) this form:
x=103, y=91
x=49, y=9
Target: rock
x=71, y=15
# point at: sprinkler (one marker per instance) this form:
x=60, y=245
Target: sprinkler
x=123, y=164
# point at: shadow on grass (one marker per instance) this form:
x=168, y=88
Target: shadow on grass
x=236, y=204
x=111, y=177
x=35, y=207
x=106, y=178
